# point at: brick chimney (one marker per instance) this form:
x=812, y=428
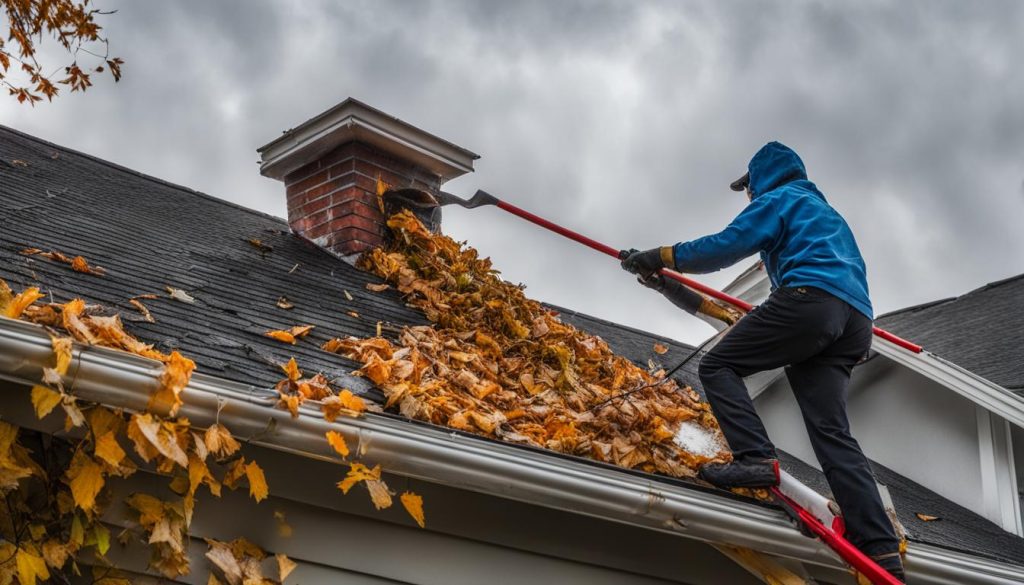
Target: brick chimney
x=330, y=165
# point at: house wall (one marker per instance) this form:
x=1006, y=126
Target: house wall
x=904, y=421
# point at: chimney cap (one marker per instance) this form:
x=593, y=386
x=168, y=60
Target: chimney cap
x=352, y=120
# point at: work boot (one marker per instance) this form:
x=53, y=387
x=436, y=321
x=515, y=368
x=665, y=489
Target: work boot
x=893, y=563
x=746, y=473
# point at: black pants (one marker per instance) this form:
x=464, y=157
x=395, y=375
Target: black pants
x=819, y=338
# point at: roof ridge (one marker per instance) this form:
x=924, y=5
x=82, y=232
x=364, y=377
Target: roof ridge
x=930, y=304
x=139, y=174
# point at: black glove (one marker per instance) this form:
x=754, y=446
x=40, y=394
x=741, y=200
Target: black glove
x=647, y=262
x=680, y=296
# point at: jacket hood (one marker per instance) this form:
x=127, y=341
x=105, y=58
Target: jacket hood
x=773, y=166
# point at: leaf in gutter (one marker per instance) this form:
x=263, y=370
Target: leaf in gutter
x=290, y=402
x=44, y=400
x=179, y=295
x=337, y=441
x=284, y=303
x=926, y=517
x=142, y=309
x=660, y=349
x=22, y=301
x=351, y=401
x=414, y=506
x=347, y=294
x=377, y=287
x=282, y=336
x=177, y=372
x=291, y=369
x=257, y=482
x=284, y=566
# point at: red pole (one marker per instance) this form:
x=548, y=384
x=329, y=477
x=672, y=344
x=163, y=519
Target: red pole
x=608, y=250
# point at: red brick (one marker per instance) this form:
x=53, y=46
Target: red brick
x=307, y=183
x=302, y=172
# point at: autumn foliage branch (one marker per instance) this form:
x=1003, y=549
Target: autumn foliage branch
x=72, y=25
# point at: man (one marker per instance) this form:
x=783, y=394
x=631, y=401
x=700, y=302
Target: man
x=817, y=322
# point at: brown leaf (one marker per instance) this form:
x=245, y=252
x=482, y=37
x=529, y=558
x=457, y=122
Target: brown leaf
x=284, y=303
x=926, y=517
x=377, y=287
x=660, y=348
x=220, y=442
x=142, y=309
x=285, y=566
x=179, y=295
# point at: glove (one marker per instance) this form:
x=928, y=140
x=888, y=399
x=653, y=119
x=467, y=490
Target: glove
x=647, y=262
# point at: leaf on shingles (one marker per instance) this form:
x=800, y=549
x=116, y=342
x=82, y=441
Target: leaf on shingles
x=257, y=482
x=284, y=303
x=79, y=264
x=142, y=309
x=926, y=517
x=85, y=477
x=259, y=245
x=180, y=295
x=282, y=336
x=352, y=314
x=413, y=504
x=337, y=441
x=348, y=295
x=377, y=287
x=300, y=331
x=660, y=348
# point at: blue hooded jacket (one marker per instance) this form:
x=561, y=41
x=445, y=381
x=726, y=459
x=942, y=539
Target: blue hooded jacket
x=803, y=241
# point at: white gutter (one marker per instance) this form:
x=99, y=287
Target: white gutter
x=978, y=390
x=123, y=380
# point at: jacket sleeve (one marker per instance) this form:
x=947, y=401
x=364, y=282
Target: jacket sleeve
x=754, y=229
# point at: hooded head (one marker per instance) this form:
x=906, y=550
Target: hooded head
x=773, y=166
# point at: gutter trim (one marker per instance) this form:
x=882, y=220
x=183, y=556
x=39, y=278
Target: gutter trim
x=124, y=380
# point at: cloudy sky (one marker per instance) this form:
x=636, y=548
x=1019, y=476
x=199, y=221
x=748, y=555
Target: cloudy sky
x=624, y=120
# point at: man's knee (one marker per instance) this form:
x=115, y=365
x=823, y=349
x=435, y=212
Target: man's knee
x=709, y=366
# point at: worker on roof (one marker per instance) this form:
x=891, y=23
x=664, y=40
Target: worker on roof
x=817, y=322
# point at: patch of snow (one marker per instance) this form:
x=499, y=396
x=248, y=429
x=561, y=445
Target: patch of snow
x=697, y=439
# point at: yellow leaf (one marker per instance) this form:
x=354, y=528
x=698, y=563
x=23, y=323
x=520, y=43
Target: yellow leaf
x=291, y=403
x=102, y=536
x=660, y=349
x=177, y=372
x=85, y=477
x=22, y=301
x=291, y=369
x=30, y=566
x=160, y=437
x=926, y=517
x=219, y=441
x=282, y=336
x=337, y=441
x=257, y=482
x=71, y=316
x=44, y=400
x=414, y=506
x=357, y=473
x=284, y=566
x=109, y=450
x=351, y=401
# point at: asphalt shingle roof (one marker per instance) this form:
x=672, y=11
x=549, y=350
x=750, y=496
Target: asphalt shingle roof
x=149, y=234
x=981, y=331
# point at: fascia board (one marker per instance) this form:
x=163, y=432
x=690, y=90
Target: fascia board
x=978, y=390
x=126, y=381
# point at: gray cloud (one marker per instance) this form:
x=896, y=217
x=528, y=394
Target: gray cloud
x=623, y=120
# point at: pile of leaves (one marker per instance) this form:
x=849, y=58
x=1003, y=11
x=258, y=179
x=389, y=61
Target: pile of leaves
x=499, y=364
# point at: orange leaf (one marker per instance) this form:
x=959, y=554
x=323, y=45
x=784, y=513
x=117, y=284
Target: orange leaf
x=337, y=441
x=414, y=506
x=109, y=450
x=219, y=441
x=660, y=349
x=283, y=336
x=44, y=400
x=351, y=401
x=300, y=330
x=377, y=287
x=357, y=473
x=926, y=517
x=22, y=301
x=257, y=482
x=177, y=372
x=292, y=370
